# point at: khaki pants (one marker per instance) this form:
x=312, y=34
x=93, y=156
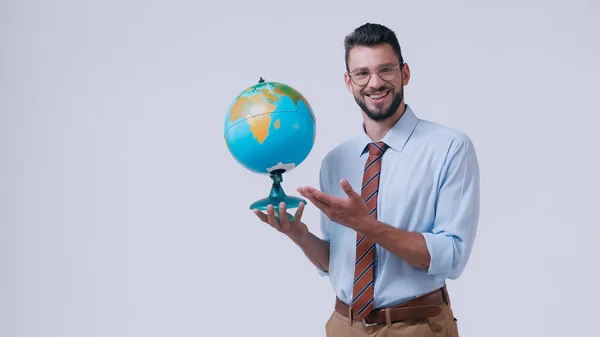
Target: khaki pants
x=442, y=325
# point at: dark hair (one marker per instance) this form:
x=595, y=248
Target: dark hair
x=369, y=35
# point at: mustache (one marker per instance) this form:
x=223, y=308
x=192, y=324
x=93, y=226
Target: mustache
x=380, y=89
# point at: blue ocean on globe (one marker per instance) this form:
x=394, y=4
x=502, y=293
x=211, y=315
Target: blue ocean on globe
x=270, y=126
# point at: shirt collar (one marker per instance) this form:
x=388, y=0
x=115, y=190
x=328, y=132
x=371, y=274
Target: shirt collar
x=398, y=135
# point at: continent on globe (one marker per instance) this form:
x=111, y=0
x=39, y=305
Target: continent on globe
x=281, y=166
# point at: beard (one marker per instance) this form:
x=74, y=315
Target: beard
x=385, y=113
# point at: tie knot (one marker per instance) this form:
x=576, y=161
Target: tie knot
x=376, y=149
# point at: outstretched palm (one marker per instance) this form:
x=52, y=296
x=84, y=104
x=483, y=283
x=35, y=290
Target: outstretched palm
x=294, y=229
x=350, y=211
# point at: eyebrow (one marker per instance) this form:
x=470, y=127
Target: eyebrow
x=386, y=64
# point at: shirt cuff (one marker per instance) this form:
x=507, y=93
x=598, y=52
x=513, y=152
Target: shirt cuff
x=441, y=250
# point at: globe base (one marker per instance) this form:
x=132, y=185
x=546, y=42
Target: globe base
x=276, y=196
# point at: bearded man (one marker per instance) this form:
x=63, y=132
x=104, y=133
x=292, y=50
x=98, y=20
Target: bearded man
x=399, y=205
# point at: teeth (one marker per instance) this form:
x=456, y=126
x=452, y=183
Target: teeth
x=378, y=96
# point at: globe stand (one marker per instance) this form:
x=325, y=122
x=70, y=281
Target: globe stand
x=277, y=196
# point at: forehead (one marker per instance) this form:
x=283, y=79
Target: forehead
x=371, y=57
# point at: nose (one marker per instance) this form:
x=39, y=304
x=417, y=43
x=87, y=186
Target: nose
x=375, y=81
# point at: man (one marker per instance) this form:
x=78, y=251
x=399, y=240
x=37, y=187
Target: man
x=399, y=205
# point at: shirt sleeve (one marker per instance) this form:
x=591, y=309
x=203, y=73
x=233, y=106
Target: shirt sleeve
x=457, y=212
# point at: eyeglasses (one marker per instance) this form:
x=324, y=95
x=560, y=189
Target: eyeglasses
x=386, y=72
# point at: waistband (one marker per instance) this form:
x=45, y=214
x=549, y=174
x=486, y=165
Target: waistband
x=427, y=305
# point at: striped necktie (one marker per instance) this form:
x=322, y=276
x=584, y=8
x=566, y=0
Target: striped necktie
x=365, y=248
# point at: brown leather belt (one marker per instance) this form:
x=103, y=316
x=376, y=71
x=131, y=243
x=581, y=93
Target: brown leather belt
x=416, y=309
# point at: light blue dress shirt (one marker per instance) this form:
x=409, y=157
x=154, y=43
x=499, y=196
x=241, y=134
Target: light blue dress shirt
x=429, y=183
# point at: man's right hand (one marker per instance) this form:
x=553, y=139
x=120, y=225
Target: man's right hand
x=295, y=229
x=315, y=249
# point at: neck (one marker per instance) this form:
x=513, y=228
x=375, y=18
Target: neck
x=376, y=130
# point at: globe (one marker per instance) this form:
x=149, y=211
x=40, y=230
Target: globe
x=270, y=129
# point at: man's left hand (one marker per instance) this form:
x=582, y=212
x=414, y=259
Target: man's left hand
x=350, y=212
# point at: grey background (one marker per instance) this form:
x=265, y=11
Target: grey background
x=123, y=214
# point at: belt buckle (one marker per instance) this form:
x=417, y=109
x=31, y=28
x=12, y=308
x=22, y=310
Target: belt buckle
x=366, y=325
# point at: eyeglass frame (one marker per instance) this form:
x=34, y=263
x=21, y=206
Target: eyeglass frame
x=371, y=72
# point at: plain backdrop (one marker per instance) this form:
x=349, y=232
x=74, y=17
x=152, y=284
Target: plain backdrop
x=123, y=214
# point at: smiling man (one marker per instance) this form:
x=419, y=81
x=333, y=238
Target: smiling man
x=399, y=205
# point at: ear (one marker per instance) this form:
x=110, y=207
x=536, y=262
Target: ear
x=405, y=74
x=348, y=82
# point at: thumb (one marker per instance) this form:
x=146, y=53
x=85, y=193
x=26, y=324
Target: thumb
x=348, y=189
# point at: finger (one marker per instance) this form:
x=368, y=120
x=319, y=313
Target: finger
x=306, y=190
x=271, y=217
x=262, y=216
x=321, y=200
x=303, y=191
x=299, y=212
x=310, y=198
x=320, y=205
x=326, y=210
x=348, y=189
x=283, y=217
x=324, y=198
x=327, y=203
